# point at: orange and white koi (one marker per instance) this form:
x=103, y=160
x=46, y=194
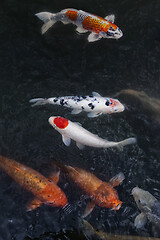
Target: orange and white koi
x=45, y=190
x=94, y=104
x=98, y=26
x=71, y=130
x=102, y=193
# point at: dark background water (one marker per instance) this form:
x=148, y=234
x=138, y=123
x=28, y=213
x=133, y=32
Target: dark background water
x=61, y=63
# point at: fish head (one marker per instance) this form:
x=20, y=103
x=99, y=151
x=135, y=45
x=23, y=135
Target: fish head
x=113, y=105
x=143, y=199
x=113, y=31
x=106, y=196
x=58, y=123
x=52, y=195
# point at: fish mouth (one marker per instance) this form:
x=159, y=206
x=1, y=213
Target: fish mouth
x=50, y=120
x=117, y=206
x=136, y=190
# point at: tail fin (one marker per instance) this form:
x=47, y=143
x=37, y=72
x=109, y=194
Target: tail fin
x=48, y=19
x=38, y=101
x=126, y=142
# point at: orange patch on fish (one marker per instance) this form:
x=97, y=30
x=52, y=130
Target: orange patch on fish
x=72, y=15
x=94, y=24
x=61, y=122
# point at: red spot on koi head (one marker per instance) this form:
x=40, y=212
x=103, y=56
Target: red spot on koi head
x=59, y=122
x=114, y=105
x=72, y=15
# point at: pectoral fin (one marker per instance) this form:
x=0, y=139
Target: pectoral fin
x=66, y=140
x=33, y=204
x=93, y=114
x=88, y=209
x=140, y=220
x=116, y=180
x=54, y=177
x=80, y=145
x=81, y=30
x=65, y=22
x=76, y=111
x=110, y=18
x=93, y=37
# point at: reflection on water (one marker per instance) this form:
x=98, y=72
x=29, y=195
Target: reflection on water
x=62, y=63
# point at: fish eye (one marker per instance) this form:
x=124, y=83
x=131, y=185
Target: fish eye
x=107, y=103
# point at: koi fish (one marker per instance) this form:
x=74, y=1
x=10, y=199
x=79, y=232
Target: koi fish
x=91, y=233
x=101, y=193
x=45, y=190
x=95, y=104
x=149, y=207
x=98, y=26
x=71, y=130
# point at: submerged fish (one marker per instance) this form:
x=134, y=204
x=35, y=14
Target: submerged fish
x=102, y=193
x=142, y=102
x=45, y=190
x=149, y=207
x=91, y=233
x=98, y=26
x=95, y=104
x=70, y=130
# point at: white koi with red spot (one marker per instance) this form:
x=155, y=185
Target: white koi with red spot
x=98, y=26
x=71, y=130
x=95, y=105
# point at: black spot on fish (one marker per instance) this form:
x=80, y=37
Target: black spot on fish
x=62, y=102
x=66, y=103
x=82, y=108
x=91, y=106
x=55, y=100
x=84, y=97
x=107, y=103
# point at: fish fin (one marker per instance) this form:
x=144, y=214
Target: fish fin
x=116, y=180
x=38, y=101
x=54, y=177
x=87, y=228
x=89, y=208
x=78, y=123
x=33, y=204
x=93, y=114
x=81, y=30
x=76, y=111
x=94, y=37
x=110, y=18
x=95, y=94
x=48, y=19
x=140, y=220
x=125, y=142
x=65, y=22
x=79, y=145
x=66, y=140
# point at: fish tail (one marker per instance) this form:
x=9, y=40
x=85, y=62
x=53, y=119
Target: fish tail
x=126, y=142
x=38, y=101
x=49, y=20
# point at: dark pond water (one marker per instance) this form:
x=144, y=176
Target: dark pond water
x=60, y=63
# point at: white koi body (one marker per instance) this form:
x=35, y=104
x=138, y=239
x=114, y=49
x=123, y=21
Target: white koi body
x=70, y=130
x=98, y=26
x=95, y=104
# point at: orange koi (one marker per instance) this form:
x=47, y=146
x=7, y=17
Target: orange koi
x=98, y=26
x=45, y=190
x=102, y=193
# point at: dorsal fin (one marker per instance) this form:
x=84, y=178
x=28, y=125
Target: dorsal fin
x=95, y=94
x=110, y=18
